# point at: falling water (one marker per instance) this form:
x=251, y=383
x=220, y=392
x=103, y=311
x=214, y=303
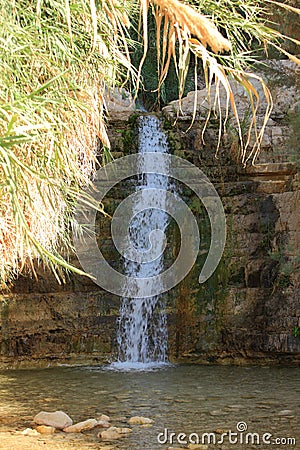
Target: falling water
x=142, y=330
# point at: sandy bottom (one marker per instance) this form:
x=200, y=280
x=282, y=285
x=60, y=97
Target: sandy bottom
x=12, y=439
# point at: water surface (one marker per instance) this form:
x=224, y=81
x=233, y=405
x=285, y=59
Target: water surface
x=182, y=399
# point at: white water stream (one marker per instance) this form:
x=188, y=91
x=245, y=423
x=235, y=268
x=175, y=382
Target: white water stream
x=142, y=328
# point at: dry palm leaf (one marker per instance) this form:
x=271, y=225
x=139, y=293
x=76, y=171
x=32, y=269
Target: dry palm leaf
x=184, y=29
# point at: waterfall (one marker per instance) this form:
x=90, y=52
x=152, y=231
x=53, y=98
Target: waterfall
x=142, y=328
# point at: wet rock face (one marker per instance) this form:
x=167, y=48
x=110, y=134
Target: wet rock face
x=248, y=310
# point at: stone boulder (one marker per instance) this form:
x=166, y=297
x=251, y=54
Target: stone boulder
x=88, y=424
x=281, y=76
x=57, y=419
x=119, y=104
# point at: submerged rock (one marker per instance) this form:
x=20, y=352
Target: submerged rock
x=103, y=424
x=124, y=430
x=103, y=418
x=57, y=419
x=45, y=429
x=218, y=412
x=88, y=424
x=138, y=420
x=285, y=412
x=113, y=433
x=198, y=447
x=176, y=448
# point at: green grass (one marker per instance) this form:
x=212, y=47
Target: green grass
x=53, y=70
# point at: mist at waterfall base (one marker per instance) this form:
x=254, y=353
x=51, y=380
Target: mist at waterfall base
x=142, y=327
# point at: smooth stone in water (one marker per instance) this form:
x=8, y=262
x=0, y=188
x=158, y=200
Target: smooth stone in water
x=103, y=424
x=285, y=412
x=220, y=431
x=138, y=420
x=198, y=447
x=124, y=430
x=57, y=419
x=103, y=418
x=176, y=448
x=112, y=433
x=45, y=429
x=88, y=424
x=217, y=412
x=263, y=407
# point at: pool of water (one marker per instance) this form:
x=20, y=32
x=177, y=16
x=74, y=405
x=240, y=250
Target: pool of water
x=188, y=399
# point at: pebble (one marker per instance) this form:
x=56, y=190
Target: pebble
x=113, y=433
x=285, y=412
x=57, y=419
x=110, y=434
x=263, y=407
x=30, y=432
x=103, y=424
x=45, y=429
x=124, y=430
x=176, y=448
x=220, y=431
x=103, y=418
x=138, y=420
x=88, y=424
x=198, y=447
x=217, y=412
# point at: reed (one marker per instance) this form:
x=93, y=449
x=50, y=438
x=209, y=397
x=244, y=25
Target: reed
x=226, y=57
x=56, y=58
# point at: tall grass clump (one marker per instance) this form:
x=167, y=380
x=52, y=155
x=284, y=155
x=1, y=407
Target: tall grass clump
x=56, y=57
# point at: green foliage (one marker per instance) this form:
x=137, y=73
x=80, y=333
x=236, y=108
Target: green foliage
x=283, y=280
x=296, y=331
x=128, y=137
x=148, y=94
x=51, y=87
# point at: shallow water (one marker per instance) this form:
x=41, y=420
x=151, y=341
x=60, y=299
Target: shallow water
x=183, y=399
